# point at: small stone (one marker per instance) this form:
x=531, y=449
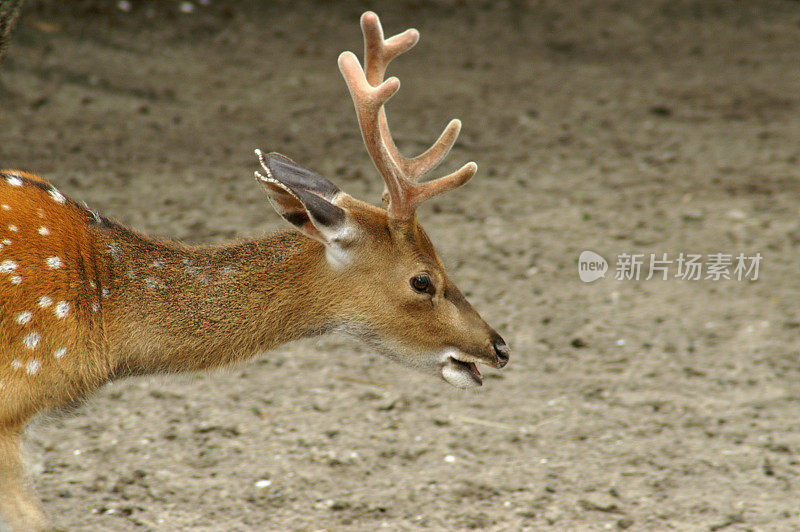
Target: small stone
x=625, y=523
x=578, y=343
x=736, y=214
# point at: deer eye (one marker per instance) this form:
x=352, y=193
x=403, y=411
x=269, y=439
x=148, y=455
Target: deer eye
x=422, y=284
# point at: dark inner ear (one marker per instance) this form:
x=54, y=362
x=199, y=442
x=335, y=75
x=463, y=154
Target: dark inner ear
x=314, y=216
x=324, y=213
x=297, y=219
x=289, y=206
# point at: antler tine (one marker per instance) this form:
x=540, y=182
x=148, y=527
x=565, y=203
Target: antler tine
x=400, y=173
x=424, y=191
x=368, y=101
x=378, y=53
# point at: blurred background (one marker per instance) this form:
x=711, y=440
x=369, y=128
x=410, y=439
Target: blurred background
x=628, y=126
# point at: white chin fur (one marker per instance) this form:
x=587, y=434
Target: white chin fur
x=458, y=377
x=454, y=373
x=435, y=363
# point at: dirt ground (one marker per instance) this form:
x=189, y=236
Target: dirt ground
x=619, y=127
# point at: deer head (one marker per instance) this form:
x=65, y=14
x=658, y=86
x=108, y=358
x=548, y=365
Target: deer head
x=390, y=288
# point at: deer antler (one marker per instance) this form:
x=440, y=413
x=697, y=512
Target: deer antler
x=369, y=93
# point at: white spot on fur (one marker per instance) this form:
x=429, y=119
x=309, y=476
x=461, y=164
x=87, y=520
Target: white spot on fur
x=95, y=307
x=227, y=270
x=13, y=228
x=60, y=352
x=57, y=196
x=54, y=263
x=104, y=291
x=13, y=180
x=115, y=251
x=7, y=241
x=31, y=340
x=24, y=317
x=44, y=231
x=6, y=207
x=16, y=279
x=131, y=274
x=45, y=302
x=159, y=264
x=189, y=268
x=8, y=266
x=32, y=367
x=92, y=284
x=62, y=309
x=16, y=363
x=40, y=212
x=152, y=282
x=95, y=217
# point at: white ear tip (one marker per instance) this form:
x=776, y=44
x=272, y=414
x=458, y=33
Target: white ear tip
x=263, y=160
x=259, y=176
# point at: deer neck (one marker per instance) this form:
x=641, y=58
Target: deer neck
x=169, y=307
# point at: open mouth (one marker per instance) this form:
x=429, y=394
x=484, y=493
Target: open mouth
x=461, y=374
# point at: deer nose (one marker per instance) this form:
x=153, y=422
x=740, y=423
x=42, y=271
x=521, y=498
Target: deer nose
x=502, y=351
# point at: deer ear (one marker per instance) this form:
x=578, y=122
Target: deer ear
x=295, y=176
x=303, y=198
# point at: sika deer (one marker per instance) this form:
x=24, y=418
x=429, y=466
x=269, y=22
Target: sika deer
x=86, y=300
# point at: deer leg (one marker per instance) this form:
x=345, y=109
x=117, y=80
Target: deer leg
x=19, y=506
